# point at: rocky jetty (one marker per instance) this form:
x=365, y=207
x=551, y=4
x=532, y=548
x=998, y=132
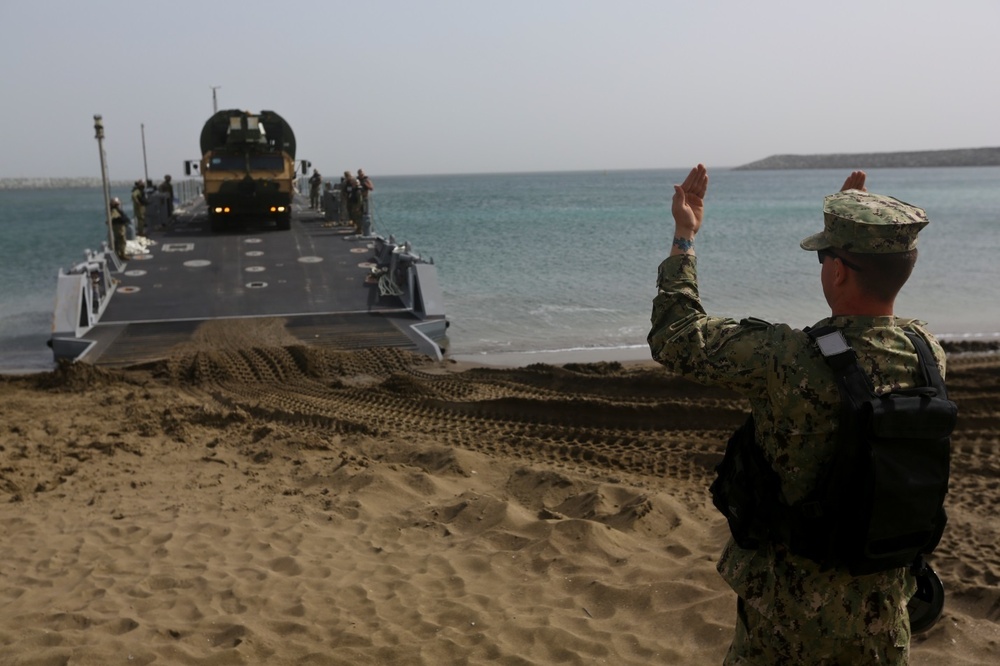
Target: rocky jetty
x=921, y=158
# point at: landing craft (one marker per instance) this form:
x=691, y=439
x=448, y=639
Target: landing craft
x=248, y=168
x=318, y=281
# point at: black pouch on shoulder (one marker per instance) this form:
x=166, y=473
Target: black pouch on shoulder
x=745, y=488
x=909, y=450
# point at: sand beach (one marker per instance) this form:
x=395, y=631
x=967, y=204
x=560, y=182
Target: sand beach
x=270, y=504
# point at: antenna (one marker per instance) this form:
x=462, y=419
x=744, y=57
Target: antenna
x=99, y=135
x=145, y=167
x=215, y=103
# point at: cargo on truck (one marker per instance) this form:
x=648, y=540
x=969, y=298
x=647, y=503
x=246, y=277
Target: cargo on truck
x=248, y=168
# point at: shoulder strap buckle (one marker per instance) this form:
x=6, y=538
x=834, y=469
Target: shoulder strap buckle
x=834, y=346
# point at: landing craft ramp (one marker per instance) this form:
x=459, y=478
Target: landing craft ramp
x=195, y=288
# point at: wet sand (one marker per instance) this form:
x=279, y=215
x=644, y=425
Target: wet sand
x=280, y=505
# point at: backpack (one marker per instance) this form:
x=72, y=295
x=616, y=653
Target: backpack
x=879, y=504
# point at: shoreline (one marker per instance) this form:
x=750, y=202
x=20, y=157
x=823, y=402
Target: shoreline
x=968, y=344
x=518, y=359
x=954, y=344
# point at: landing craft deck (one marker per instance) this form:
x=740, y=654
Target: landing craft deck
x=321, y=284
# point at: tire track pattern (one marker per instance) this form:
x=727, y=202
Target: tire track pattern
x=599, y=416
x=604, y=420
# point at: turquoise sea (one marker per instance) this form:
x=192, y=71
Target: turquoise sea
x=533, y=262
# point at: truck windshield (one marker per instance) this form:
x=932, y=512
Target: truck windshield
x=227, y=163
x=266, y=163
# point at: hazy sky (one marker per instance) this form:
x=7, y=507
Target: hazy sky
x=426, y=87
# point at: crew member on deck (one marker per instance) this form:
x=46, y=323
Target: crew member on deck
x=166, y=187
x=352, y=195
x=139, y=202
x=366, y=186
x=119, y=222
x=314, y=183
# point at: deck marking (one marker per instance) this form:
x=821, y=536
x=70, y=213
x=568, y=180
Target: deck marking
x=135, y=272
x=310, y=260
x=255, y=269
x=177, y=247
x=197, y=263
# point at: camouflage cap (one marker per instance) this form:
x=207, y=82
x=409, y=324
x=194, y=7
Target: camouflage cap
x=867, y=223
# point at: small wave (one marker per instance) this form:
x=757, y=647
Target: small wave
x=621, y=353
x=570, y=309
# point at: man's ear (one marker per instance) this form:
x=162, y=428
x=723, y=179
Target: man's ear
x=840, y=271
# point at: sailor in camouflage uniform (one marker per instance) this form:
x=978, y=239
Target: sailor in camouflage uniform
x=789, y=610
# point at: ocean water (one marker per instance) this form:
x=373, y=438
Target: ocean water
x=567, y=261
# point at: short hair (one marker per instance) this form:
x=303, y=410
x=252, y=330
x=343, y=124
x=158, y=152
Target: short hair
x=882, y=276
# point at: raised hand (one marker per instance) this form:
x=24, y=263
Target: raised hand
x=856, y=181
x=688, y=205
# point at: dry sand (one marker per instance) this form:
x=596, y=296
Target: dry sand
x=284, y=505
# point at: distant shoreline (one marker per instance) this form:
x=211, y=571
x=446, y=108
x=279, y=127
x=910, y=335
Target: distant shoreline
x=57, y=183
x=960, y=157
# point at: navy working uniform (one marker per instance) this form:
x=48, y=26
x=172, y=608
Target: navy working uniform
x=314, y=183
x=139, y=202
x=789, y=610
x=119, y=223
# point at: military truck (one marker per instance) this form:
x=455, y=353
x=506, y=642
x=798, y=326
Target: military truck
x=248, y=167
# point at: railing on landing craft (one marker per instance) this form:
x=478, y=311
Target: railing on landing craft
x=186, y=191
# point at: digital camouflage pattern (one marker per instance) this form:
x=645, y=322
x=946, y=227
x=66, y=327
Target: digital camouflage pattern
x=867, y=223
x=761, y=642
x=119, y=222
x=795, y=403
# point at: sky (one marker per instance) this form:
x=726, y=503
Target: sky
x=462, y=86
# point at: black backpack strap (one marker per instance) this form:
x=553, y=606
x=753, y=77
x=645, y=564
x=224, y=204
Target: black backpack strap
x=855, y=386
x=810, y=517
x=839, y=355
x=928, y=365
